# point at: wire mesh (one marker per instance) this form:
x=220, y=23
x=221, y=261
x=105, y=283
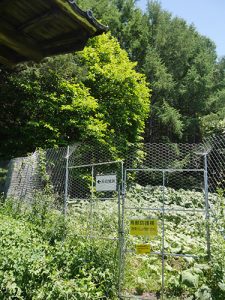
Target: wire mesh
x=179, y=211
x=99, y=203
x=215, y=147
x=82, y=180
x=55, y=169
x=95, y=210
x=23, y=177
x=24, y=173
x=72, y=172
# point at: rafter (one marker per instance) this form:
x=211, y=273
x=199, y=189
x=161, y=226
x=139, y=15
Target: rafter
x=31, y=30
x=73, y=46
x=8, y=54
x=39, y=20
x=18, y=42
x=64, y=39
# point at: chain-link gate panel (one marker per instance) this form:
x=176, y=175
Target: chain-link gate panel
x=93, y=205
x=172, y=201
x=94, y=191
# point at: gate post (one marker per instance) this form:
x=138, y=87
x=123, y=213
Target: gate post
x=163, y=238
x=66, y=181
x=206, y=188
x=121, y=228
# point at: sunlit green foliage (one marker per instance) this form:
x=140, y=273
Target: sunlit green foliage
x=95, y=95
x=122, y=93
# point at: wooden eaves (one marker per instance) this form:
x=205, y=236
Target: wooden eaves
x=32, y=30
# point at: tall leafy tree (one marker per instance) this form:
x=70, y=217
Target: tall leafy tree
x=214, y=121
x=180, y=65
x=44, y=109
x=95, y=95
x=121, y=92
x=188, y=61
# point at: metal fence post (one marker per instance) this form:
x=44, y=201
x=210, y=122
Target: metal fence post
x=206, y=187
x=92, y=199
x=122, y=229
x=66, y=181
x=163, y=236
x=119, y=242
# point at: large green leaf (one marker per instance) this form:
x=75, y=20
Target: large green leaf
x=189, y=279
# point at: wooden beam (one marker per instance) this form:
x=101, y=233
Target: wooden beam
x=10, y=38
x=67, y=48
x=11, y=56
x=64, y=39
x=37, y=21
x=8, y=54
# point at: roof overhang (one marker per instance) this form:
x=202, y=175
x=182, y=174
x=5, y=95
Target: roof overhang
x=32, y=30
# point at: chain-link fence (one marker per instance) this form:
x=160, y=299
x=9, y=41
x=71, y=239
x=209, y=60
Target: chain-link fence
x=27, y=175
x=172, y=185
x=23, y=177
x=160, y=200
x=215, y=147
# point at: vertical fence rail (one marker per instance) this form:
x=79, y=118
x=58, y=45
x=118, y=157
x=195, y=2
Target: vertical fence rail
x=163, y=236
x=120, y=244
x=207, y=206
x=121, y=237
x=66, y=181
x=91, y=200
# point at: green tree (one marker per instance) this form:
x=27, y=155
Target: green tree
x=95, y=95
x=182, y=74
x=178, y=62
x=214, y=121
x=121, y=92
x=45, y=110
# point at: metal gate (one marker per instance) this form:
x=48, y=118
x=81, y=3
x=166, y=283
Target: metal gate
x=92, y=191
x=159, y=187
x=93, y=199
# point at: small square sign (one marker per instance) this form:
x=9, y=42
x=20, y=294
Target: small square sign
x=143, y=249
x=105, y=183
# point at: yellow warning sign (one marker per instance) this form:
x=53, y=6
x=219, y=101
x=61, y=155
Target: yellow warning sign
x=144, y=227
x=143, y=249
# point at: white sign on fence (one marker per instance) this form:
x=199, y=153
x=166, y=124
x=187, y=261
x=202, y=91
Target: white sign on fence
x=106, y=183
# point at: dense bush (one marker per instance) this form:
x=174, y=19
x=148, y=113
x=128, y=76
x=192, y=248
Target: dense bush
x=39, y=261
x=185, y=232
